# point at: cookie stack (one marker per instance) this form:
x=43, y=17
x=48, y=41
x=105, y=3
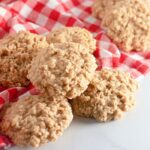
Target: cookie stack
x=62, y=66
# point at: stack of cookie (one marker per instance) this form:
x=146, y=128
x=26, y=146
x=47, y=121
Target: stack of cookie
x=127, y=22
x=62, y=67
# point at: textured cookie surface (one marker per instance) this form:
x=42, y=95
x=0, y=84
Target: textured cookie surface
x=16, y=53
x=73, y=34
x=128, y=24
x=35, y=120
x=100, y=7
x=63, y=69
x=110, y=93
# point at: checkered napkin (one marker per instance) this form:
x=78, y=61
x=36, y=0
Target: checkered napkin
x=42, y=16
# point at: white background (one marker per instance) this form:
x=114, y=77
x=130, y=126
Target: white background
x=130, y=133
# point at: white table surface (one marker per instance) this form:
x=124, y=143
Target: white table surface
x=130, y=133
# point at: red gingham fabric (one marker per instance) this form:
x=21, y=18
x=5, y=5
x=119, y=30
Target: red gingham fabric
x=42, y=16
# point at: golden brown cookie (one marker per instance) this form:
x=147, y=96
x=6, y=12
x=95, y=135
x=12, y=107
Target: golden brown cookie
x=127, y=23
x=4, y=109
x=73, y=34
x=16, y=53
x=36, y=120
x=63, y=69
x=100, y=7
x=110, y=93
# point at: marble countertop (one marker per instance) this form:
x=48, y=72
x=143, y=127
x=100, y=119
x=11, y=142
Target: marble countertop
x=130, y=133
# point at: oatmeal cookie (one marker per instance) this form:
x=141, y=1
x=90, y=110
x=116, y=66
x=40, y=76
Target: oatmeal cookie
x=3, y=109
x=63, y=69
x=127, y=23
x=100, y=6
x=73, y=34
x=16, y=53
x=110, y=93
x=35, y=120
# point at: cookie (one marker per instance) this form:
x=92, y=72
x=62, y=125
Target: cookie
x=100, y=7
x=16, y=53
x=63, y=69
x=36, y=120
x=109, y=95
x=4, y=109
x=127, y=23
x=73, y=34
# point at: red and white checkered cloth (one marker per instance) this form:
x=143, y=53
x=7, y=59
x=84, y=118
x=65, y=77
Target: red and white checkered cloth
x=42, y=16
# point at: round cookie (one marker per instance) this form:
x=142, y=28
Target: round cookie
x=16, y=53
x=73, y=34
x=110, y=93
x=127, y=23
x=36, y=120
x=63, y=69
